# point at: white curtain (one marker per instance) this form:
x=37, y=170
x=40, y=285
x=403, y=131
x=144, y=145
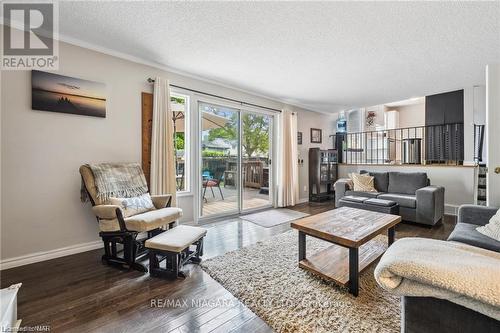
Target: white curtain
x=288, y=171
x=163, y=180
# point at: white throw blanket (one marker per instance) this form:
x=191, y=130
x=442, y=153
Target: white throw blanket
x=460, y=273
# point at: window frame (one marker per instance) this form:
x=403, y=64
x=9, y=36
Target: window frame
x=187, y=141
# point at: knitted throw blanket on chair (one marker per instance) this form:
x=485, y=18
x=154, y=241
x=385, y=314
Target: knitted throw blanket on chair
x=122, y=180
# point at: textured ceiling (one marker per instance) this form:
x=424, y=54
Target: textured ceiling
x=324, y=56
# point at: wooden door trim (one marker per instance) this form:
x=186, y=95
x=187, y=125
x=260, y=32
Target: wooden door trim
x=147, y=130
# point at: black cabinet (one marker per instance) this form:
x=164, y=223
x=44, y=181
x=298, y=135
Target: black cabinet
x=446, y=108
x=444, y=120
x=323, y=172
x=338, y=144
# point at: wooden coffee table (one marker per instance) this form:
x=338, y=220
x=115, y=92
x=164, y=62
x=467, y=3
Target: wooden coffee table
x=351, y=230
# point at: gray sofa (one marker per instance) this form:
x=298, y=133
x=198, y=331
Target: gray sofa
x=418, y=200
x=428, y=314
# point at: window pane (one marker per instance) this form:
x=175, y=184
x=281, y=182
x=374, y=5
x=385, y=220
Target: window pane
x=180, y=107
x=219, y=159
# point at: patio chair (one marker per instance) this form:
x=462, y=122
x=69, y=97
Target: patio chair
x=179, y=176
x=116, y=227
x=209, y=181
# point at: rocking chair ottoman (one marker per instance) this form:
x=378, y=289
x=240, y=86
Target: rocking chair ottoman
x=174, y=246
x=117, y=228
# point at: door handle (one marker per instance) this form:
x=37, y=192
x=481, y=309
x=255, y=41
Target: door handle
x=497, y=170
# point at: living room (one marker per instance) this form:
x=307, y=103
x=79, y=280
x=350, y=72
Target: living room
x=242, y=166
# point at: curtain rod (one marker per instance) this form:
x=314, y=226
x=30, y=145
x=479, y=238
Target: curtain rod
x=150, y=80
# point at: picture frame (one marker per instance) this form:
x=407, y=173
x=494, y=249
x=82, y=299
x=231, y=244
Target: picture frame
x=316, y=135
x=65, y=94
x=299, y=138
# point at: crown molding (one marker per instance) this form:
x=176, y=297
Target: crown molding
x=104, y=50
x=94, y=47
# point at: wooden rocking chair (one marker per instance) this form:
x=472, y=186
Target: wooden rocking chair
x=117, y=229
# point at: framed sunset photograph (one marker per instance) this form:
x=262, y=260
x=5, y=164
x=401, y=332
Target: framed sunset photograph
x=58, y=93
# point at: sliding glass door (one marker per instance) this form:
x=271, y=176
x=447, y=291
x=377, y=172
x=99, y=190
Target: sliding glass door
x=235, y=161
x=256, y=145
x=220, y=155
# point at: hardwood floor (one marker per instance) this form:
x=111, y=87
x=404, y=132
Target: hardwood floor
x=78, y=294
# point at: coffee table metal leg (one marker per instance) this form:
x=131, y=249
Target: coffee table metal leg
x=390, y=235
x=353, y=271
x=302, y=245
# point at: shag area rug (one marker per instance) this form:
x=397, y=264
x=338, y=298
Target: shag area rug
x=270, y=218
x=266, y=278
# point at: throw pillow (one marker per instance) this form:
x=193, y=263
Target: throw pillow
x=492, y=229
x=363, y=183
x=135, y=205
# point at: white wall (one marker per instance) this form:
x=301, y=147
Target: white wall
x=457, y=181
x=479, y=117
x=306, y=121
x=469, y=125
x=411, y=115
x=41, y=151
x=479, y=104
x=493, y=135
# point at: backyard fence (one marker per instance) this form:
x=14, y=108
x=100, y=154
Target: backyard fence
x=255, y=170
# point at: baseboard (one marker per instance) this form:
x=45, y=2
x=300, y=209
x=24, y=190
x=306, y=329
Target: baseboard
x=451, y=209
x=191, y=223
x=47, y=255
x=303, y=200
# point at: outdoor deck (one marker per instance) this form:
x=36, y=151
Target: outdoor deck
x=215, y=205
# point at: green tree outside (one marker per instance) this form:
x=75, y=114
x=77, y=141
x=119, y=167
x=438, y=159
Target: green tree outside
x=255, y=139
x=179, y=140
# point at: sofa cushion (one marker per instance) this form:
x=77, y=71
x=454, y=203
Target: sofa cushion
x=467, y=233
x=145, y=221
x=406, y=182
x=354, y=198
x=381, y=180
x=380, y=202
x=362, y=194
x=404, y=200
